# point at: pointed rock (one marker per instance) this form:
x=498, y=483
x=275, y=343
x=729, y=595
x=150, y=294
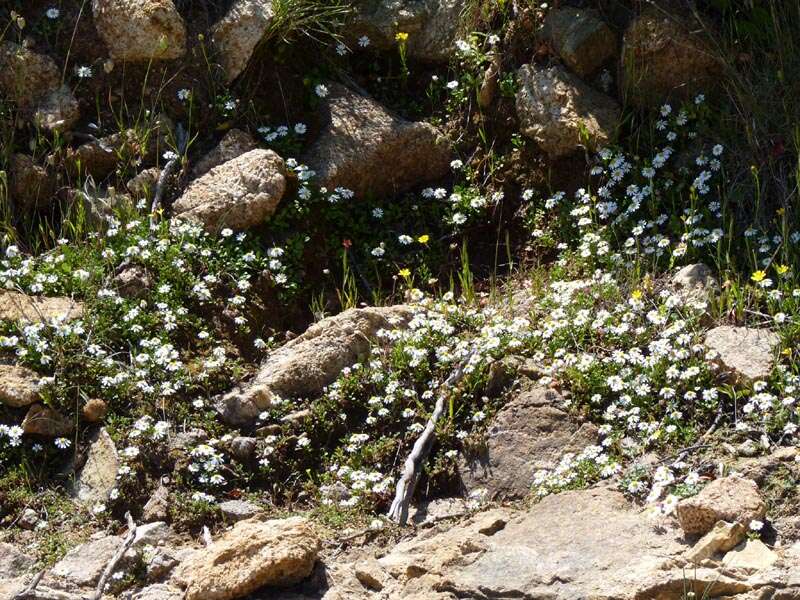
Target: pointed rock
x=99, y=475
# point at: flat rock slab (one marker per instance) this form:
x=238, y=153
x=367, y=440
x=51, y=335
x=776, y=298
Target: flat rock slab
x=15, y=306
x=19, y=386
x=529, y=434
x=732, y=499
x=746, y=352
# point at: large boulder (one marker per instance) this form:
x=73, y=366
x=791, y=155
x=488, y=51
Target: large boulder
x=306, y=364
x=240, y=193
x=581, y=38
x=432, y=26
x=238, y=33
x=366, y=149
x=529, y=434
x=732, y=499
x=744, y=352
x=234, y=143
x=99, y=474
x=560, y=112
x=140, y=30
x=15, y=306
x=31, y=185
x=33, y=82
x=19, y=386
x=252, y=555
x=665, y=57
x=84, y=564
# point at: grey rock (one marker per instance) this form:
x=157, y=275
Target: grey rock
x=243, y=448
x=57, y=111
x=528, y=434
x=745, y=352
x=158, y=591
x=157, y=507
x=151, y=534
x=696, y=280
x=99, y=474
x=140, y=31
x=581, y=38
x=238, y=33
x=83, y=565
x=29, y=519
x=238, y=510
x=239, y=194
x=13, y=561
x=234, y=143
x=555, y=109
x=133, y=282
x=370, y=151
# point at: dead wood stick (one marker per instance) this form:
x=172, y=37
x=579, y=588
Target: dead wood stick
x=126, y=544
x=398, y=512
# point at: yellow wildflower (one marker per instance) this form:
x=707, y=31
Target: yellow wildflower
x=401, y=36
x=782, y=269
x=637, y=294
x=423, y=239
x=758, y=276
x=404, y=273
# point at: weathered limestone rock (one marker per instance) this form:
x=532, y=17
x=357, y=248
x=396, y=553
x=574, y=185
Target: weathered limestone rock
x=140, y=30
x=99, y=475
x=31, y=186
x=83, y=565
x=664, y=57
x=19, y=386
x=15, y=306
x=13, y=561
x=694, y=281
x=752, y=555
x=43, y=420
x=432, y=26
x=529, y=434
x=238, y=510
x=306, y=364
x=746, y=352
x=733, y=499
x=234, y=143
x=555, y=107
x=238, y=33
x=253, y=554
x=581, y=38
x=723, y=537
x=366, y=149
x=239, y=194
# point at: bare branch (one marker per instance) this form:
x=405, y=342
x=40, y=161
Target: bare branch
x=126, y=544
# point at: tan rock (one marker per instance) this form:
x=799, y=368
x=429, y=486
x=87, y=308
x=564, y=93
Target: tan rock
x=529, y=434
x=140, y=30
x=752, y=555
x=99, y=475
x=368, y=150
x=43, y=420
x=240, y=193
x=26, y=76
x=733, y=499
x=32, y=186
x=238, y=33
x=581, y=38
x=253, y=554
x=143, y=184
x=370, y=573
x=306, y=364
x=235, y=143
x=695, y=280
x=723, y=537
x=665, y=57
x=15, y=306
x=556, y=109
x=745, y=352
x=19, y=386
x=58, y=110
x=94, y=410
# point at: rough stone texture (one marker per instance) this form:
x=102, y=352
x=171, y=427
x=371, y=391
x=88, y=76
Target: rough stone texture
x=723, y=537
x=746, y=352
x=157, y=507
x=238, y=33
x=696, y=280
x=733, y=499
x=238, y=510
x=234, y=143
x=366, y=149
x=83, y=565
x=432, y=26
x=158, y=591
x=13, y=561
x=99, y=475
x=242, y=448
x=554, y=107
x=239, y=194
x=663, y=57
x=143, y=184
x=15, y=306
x=529, y=434
x=752, y=555
x=31, y=185
x=58, y=110
x=94, y=410
x=133, y=281
x=253, y=554
x=306, y=364
x=140, y=30
x=26, y=76
x=582, y=40
x=19, y=386
x=43, y=420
